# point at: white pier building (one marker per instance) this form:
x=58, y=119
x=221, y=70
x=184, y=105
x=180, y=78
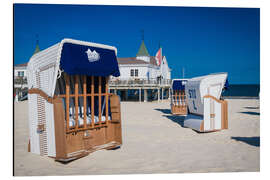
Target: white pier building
x=150, y=74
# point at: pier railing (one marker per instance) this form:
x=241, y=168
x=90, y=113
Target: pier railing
x=140, y=82
x=20, y=80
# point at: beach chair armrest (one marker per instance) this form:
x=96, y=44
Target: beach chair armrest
x=42, y=94
x=214, y=98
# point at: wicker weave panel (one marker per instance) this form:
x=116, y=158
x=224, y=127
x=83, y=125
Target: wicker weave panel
x=33, y=135
x=41, y=119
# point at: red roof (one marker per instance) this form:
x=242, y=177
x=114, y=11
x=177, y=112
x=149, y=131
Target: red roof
x=21, y=65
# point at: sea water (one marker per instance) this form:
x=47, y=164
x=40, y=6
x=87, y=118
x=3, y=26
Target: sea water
x=234, y=91
x=242, y=90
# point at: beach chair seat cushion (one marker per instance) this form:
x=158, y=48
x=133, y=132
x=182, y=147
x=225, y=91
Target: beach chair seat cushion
x=88, y=120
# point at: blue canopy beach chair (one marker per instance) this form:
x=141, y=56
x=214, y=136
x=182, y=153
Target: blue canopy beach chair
x=71, y=112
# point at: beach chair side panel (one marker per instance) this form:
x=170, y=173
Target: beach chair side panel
x=225, y=115
x=206, y=116
x=34, y=146
x=47, y=75
x=115, y=132
x=215, y=114
x=212, y=114
x=42, y=108
x=60, y=131
x=40, y=69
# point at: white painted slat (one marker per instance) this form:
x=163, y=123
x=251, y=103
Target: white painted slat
x=217, y=115
x=206, y=114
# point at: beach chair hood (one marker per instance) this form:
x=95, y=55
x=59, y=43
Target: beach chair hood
x=179, y=84
x=72, y=57
x=88, y=59
x=197, y=88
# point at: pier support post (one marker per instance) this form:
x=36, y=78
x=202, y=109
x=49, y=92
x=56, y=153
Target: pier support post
x=162, y=93
x=126, y=94
x=158, y=94
x=145, y=95
x=169, y=93
x=140, y=95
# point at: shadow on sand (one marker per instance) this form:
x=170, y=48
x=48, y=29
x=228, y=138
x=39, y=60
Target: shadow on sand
x=249, y=107
x=70, y=161
x=253, y=141
x=165, y=111
x=177, y=119
x=251, y=113
x=180, y=120
x=174, y=118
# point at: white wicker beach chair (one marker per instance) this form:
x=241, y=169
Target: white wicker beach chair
x=71, y=112
x=207, y=111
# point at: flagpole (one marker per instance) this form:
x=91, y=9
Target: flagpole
x=160, y=60
x=183, y=72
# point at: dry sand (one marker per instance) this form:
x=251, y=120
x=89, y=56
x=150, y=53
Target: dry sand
x=155, y=142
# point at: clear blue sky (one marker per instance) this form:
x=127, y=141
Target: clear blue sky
x=201, y=40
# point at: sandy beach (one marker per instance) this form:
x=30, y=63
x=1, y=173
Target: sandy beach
x=154, y=141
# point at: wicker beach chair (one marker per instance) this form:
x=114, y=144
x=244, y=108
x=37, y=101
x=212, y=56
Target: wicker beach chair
x=207, y=111
x=178, y=97
x=71, y=112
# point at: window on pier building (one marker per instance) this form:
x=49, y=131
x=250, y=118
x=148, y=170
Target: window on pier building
x=136, y=72
x=20, y=73
x=132, y=72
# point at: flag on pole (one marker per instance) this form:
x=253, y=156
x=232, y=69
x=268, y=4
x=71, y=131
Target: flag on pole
x=159, y=57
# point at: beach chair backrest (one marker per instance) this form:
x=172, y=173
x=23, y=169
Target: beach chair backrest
x=94, y=97
x=197, y=88
x=178, y=92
